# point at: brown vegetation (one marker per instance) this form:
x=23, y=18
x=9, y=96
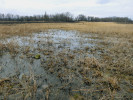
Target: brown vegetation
x=109, y=74
x=125, y=30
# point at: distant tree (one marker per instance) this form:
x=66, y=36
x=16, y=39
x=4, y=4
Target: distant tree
x=62, y=17
x=46, y=17
x=81, y=17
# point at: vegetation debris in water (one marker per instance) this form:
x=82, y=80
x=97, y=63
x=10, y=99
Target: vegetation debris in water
x=38, y=56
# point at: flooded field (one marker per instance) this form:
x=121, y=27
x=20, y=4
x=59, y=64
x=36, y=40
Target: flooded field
x=65, y=65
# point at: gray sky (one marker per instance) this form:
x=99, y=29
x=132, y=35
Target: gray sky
x=99, y=8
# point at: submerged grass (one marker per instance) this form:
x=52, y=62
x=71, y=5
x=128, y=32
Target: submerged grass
x=107, y=77
x=18, y=88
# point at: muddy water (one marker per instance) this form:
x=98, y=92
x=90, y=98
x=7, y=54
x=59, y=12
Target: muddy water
x=49, y=45
x=60, y=71
x=66, y=39
x=55, y=40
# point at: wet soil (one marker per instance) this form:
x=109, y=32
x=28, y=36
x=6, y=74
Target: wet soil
x=64, y=64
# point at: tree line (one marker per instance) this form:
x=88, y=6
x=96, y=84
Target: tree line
x=62, y=17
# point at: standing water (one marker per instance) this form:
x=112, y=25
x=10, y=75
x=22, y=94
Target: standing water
x=55, y=63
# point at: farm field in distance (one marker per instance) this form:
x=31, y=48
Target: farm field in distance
x=66, y=61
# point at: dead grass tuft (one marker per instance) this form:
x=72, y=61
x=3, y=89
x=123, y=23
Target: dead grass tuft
x=92, y=62
x=18, y=88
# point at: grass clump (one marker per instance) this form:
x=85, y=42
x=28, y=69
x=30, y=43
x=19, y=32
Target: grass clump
x=15, y=88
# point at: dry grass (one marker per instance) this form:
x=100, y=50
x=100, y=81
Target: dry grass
x=89, y=27
x=9, y=47
x=18, y=88
x=116, y=57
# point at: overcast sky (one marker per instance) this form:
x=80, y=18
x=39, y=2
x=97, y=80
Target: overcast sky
x=99, y=8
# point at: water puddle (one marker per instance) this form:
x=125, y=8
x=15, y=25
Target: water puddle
x=57, y=59
x=56, y=38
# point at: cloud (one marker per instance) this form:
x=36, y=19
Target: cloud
x=103, y=1
x=100, y=8
x=2, y=3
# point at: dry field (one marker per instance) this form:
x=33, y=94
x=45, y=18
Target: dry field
x=125, y=30
x=72, y=61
